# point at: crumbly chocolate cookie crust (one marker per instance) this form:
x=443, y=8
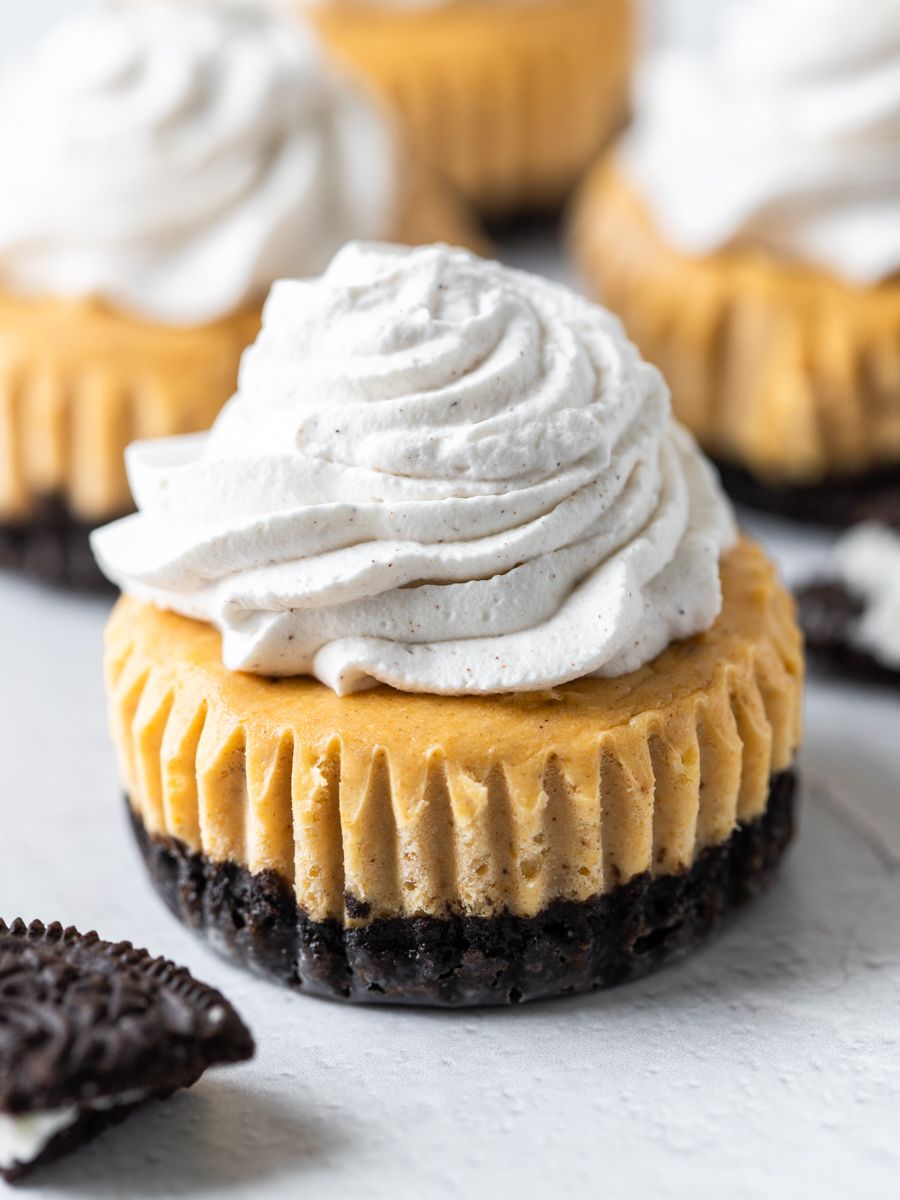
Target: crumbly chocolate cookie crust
x=459, y=960
x=838, y=502
x=53, y=546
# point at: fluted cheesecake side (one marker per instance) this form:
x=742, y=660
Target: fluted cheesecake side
x=388, y=804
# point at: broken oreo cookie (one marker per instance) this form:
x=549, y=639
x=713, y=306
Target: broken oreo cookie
x=852, y=619
x=829, y=613
x=91, y=1030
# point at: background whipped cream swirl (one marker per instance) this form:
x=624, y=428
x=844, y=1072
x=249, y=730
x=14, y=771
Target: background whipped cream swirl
x=438, y=473
x=784, y=134
x=173, y=159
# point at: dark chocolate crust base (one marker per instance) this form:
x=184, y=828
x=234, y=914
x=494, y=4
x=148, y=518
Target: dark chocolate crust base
x=53, y=546
x=828, y=613
x=835, y=502
x=459, y=960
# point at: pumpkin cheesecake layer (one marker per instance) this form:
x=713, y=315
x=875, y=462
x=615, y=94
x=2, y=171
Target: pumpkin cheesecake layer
x=509, y=101
x=384, y=806
x=779, y=369
x=79, y=382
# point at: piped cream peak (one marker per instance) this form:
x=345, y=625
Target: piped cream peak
x=437, y=473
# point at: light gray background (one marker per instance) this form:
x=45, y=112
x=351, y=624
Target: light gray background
x=765, y=1066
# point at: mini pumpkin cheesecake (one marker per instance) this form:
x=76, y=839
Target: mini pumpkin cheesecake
x=747, y=230
x=163, y=163
x=509, y=99
x=412, y=704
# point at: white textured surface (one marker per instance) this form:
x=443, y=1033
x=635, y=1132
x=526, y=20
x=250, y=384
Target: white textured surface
x=766, y=1066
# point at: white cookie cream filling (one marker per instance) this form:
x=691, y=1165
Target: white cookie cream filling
x=24, y=1137
x=783, y=135
x=173, y=159
x=868, y=560
x=437, y=473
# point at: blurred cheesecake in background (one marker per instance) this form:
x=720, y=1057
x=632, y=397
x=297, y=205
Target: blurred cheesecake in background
x=510, y=99
x=747, y=229
x=162, y=164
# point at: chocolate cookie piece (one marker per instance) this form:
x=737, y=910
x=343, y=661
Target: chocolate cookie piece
x=828, y=613
x=837, y=502
x=89, y=1031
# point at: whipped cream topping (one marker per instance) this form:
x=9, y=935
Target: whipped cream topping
x=174, y=158
x=784, y=135
x=437, y=473
x=868, y=561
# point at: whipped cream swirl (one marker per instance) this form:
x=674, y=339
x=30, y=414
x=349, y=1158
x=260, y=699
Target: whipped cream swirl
x=784, y=135
x=173, y=159
x=438, y=473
